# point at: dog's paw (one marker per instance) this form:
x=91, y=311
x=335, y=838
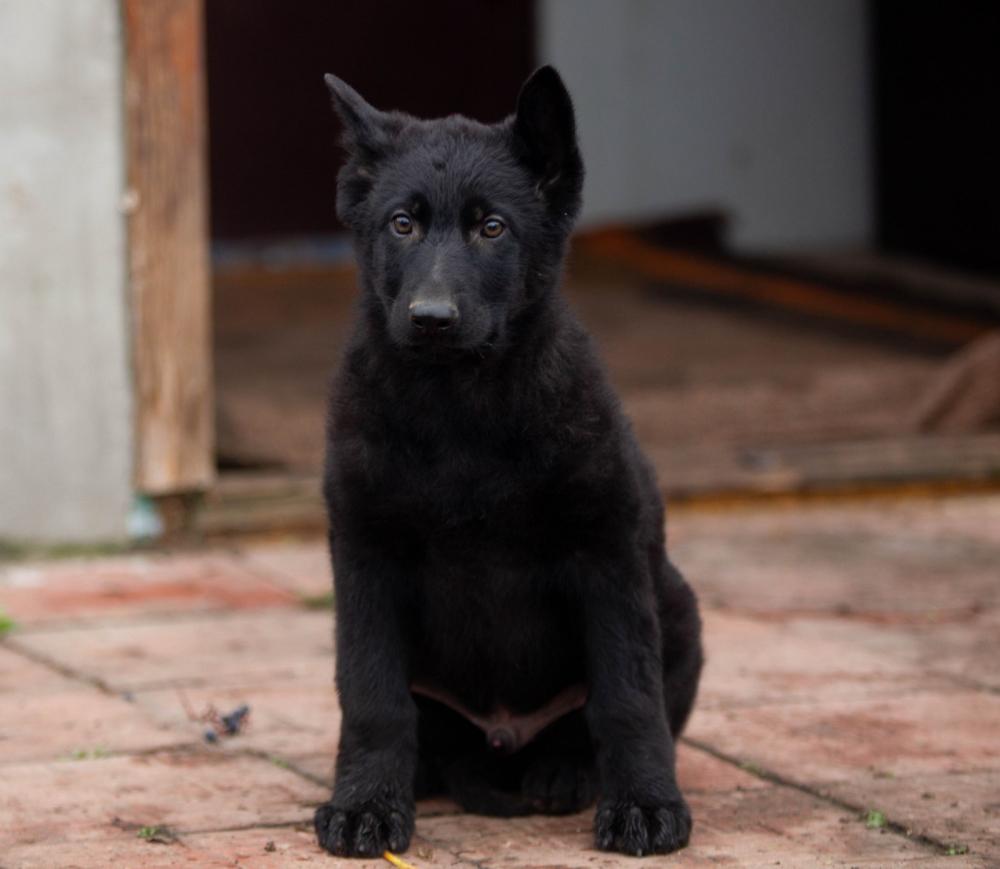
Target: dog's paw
x=366, y=830
x=555, y=785
x=630, y=828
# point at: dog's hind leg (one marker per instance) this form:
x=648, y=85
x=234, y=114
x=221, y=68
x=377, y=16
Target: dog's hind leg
x=454, y=760
x=441, y=734
x=680, y=631
x=560, y=774
x=471, y=780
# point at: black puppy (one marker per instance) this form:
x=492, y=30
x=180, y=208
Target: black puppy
x=497, y=534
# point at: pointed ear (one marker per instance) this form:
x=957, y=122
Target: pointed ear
x=366, y=129
x=545, y=128
x=366, y=136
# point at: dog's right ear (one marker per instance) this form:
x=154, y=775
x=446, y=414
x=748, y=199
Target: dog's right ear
x=366, y=129
x=366, y=136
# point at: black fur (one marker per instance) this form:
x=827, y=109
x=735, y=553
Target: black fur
x=495, y=528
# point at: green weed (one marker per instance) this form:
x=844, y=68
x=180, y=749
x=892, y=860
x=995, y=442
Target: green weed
x=875, y=819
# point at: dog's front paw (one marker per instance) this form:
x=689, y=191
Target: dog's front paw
x=631, y=828
x=366, y=830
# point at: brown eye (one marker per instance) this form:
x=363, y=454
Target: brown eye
x=402, y=223
x=493, y=228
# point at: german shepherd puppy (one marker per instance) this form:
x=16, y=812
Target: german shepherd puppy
x=509, y=629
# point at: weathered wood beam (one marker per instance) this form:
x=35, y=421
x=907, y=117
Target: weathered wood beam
x=167, y=201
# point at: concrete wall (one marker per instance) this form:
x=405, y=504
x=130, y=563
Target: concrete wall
x=65, y=391
x=757, y=106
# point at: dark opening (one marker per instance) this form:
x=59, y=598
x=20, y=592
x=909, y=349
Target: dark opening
x=273, y=155
x=937, y=96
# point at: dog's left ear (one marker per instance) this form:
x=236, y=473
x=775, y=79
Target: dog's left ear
x=545, y=130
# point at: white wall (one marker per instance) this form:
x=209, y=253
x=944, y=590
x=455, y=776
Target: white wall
x=758, y=106
x=65, y=414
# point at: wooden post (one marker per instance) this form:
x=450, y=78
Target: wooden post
x=167, y=200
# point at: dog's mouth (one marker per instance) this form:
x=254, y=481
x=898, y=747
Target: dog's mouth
x=432, y=347
x=435, y=340
x=449, y=349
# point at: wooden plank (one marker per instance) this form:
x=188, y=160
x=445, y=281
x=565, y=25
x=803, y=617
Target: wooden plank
x=243, y=502
x=258, y=502
x=964, y=397
x=168, y=243
x=794, y=468
x=692, y=271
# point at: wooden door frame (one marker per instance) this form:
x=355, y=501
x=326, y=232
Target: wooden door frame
x=167, y=202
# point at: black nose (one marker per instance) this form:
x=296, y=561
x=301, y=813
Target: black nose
x=432, y=317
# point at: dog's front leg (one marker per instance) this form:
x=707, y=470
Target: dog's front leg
x=372, y=808
x=641, y=810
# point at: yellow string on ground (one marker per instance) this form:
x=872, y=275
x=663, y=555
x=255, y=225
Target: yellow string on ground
x=392, y=858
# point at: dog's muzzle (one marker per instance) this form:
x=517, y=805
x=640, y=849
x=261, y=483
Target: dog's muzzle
x=433, y=318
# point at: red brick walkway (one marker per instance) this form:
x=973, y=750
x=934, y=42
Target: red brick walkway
x=849, y=715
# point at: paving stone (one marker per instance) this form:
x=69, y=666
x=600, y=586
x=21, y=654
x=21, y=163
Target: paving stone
x=301, y=568
x=842, y=643
x=66, y=724
x=25, y=677
x=842, y=571
x=787, y=827
x=956, y=651
x=45, y=715
x=914, y=557
x=298, y=723
x=758, y=662
x=566, y=841
x=925, y=732
x=241, y=648
x=127, y=851
x=113, y=797
x=968, y=650
x=133, y=585
x=763, y=826
x=959, y=809
x=699, y=772
x=295, y=847
x=749, y=846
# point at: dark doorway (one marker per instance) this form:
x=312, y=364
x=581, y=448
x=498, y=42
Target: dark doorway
x=937, y=93
x=273, y=155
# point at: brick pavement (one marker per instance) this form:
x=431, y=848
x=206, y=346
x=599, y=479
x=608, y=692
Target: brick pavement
x=853, y=675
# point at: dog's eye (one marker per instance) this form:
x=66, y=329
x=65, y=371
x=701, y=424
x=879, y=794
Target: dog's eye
x=402, y=223
x=493, y=228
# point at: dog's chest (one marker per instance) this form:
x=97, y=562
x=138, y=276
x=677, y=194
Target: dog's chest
x=461, y=494
x=496, y=632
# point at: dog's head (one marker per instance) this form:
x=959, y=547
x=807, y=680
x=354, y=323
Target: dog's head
x=459, y=226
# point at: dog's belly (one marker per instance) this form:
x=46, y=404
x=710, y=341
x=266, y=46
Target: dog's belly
x=497, y=635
